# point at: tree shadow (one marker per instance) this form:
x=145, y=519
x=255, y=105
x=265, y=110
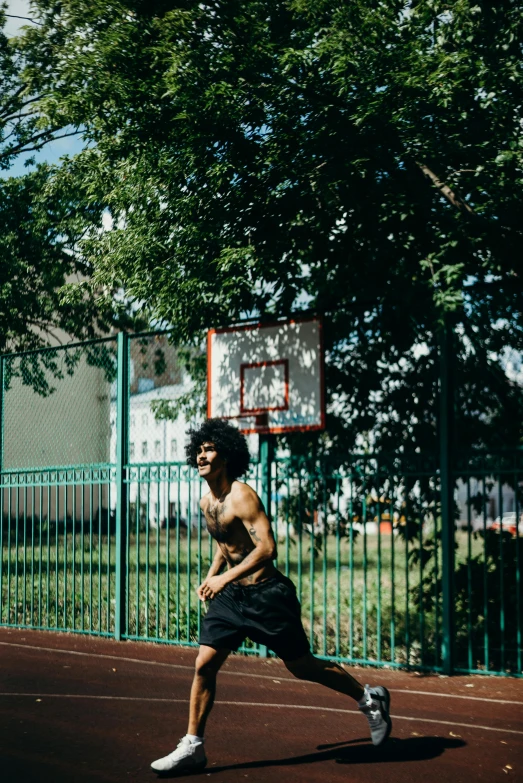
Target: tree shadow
x=396, y=750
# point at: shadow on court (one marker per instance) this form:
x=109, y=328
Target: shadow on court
x=395, y=750
x=77, y=709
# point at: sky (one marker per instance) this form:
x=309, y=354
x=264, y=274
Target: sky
x=53, y=151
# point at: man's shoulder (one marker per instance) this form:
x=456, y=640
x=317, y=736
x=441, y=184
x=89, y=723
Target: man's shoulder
x=240, y=491
x=204, y=500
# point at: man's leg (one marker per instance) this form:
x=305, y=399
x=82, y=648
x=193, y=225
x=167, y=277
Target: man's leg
x=190, y=753
x=373, y=702
x=208, y=664
x=327, y=673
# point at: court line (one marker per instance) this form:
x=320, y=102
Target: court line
x=262, y=704
x=181, y=666
x=455, y=696
x=270, y=677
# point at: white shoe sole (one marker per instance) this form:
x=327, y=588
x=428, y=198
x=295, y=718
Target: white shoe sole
x=180, y=770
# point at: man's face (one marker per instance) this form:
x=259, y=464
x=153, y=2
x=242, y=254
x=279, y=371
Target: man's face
x=208, y=460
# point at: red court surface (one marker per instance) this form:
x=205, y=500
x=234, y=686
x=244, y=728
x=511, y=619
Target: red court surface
x=77, y=708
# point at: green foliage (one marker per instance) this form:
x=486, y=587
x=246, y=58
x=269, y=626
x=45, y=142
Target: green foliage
x=41, y=370
x=23, y=128
x=486, y=600
x=46, y=289
x=256, y=157
x=36, y=303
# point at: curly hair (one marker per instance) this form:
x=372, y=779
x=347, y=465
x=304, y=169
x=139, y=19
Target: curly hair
x=229, y=442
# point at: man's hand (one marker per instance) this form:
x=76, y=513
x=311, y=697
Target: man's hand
x=211, y=587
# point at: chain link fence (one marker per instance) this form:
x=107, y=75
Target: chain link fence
x=363, y=544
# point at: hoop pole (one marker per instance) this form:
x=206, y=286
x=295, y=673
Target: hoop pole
x=267, y=443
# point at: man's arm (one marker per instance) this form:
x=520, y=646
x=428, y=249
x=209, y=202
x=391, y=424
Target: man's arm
x=246, y=505
x=216, y=566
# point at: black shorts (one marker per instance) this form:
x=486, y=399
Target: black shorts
x=267, y=612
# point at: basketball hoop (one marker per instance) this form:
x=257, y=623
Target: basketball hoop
x=267, y=377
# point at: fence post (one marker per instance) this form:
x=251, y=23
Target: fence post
x=266, y=459
x=1, y=484
x=1, y=415
x=122, y=424
x=446, y=423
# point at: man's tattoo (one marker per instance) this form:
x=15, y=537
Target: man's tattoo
x=254, y=534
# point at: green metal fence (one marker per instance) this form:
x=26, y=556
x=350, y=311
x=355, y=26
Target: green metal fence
x=114, y=543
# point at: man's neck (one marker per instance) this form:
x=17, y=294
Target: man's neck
x=219, y=485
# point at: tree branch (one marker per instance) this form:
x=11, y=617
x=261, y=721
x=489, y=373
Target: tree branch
x=449, y=194
x=26, y=18
x=46, y=329
x=22, y=148
x=13, y=97
x=17, y=117
x=21, y=106
x=5, y=138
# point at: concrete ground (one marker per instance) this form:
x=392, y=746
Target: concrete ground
x=79, y=708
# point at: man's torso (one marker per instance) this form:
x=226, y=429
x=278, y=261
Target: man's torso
x=232, y=536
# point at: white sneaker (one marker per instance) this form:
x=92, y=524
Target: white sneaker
x=376, y=710
x=188, y=756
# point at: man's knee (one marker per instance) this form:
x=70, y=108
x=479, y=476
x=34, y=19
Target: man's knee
x=205, y=667
x=208, y=663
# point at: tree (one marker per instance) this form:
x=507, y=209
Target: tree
x=363, y=159
x=23, y=128
x=45, y=288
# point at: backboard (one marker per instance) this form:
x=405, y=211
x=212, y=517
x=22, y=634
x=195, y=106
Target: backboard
x=269, y=377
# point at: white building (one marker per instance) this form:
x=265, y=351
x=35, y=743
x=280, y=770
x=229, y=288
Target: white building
x=160, y=487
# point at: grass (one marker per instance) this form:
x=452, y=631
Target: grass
x=365, y=599
x=357, y=597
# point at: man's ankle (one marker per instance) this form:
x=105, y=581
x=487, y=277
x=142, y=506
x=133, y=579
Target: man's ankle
x=365, y=700
x=194, y=738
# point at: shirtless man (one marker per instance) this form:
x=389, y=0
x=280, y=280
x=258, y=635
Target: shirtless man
x=251, y=598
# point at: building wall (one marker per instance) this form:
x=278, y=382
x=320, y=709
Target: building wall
x=69, y=426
